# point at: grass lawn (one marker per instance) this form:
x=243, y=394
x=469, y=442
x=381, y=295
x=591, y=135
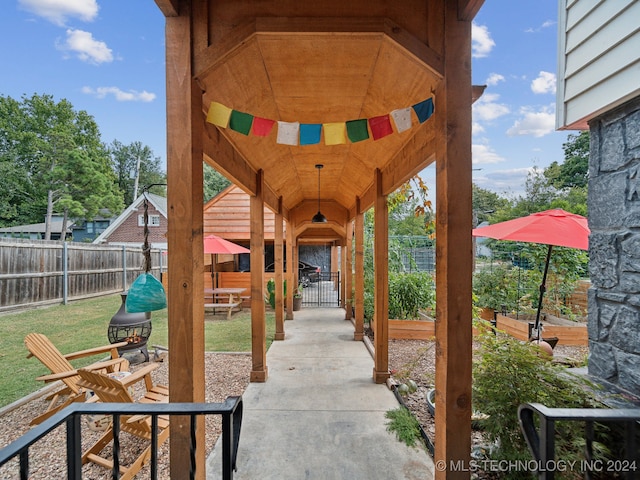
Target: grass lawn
x=83, y=324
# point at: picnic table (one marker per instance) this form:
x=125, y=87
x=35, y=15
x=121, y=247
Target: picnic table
x=225, y=298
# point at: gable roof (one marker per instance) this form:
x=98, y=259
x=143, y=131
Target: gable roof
x=228, y=216
x=160, y=204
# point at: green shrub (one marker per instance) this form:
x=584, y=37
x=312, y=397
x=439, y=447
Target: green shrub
x=410, y=292
x=508, y=373
x=404, y=424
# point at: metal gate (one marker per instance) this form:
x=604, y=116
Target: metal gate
x=325, y=292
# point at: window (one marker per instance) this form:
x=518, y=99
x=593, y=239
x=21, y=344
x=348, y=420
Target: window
x=154, y=220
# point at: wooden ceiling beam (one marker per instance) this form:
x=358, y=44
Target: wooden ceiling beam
x=207, y=59
x=468, y=9
x=169, y=8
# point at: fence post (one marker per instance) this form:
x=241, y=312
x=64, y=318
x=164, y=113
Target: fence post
x=65, y=273
x=124, y=268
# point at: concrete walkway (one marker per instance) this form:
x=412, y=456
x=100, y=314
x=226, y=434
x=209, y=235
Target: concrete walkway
x=319, y=415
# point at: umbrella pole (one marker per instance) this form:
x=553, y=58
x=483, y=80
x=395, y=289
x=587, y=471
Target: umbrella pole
x=543, y=289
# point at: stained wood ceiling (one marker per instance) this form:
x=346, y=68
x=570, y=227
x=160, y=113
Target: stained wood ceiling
x=318, y=78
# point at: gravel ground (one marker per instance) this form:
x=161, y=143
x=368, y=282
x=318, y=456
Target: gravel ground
x=226, y=374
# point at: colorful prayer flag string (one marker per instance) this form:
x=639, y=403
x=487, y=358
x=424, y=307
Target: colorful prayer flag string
x=335, y=133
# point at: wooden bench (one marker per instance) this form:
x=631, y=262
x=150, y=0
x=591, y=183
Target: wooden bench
x=227, y=305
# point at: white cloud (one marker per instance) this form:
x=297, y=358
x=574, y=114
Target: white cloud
x=481, y=41
x=506, y=182
x=58, y=11
x=483, y=154
x=120, y=95
x=536, y=123
x=487, y=108
x=545, y=24
x=545, y=83
x=476, y=128
x=494, y=79
x=86, y=47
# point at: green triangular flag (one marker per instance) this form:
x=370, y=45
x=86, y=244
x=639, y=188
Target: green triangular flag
x=357, y=130
x=240, y=122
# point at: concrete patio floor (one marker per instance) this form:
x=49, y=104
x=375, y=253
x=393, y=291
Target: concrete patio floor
x=319, y=415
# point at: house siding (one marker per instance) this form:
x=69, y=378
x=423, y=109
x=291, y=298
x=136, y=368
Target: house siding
x=598, y=59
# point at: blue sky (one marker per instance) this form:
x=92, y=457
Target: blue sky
x=107, y=57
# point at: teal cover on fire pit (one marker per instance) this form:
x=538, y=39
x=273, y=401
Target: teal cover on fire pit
x=146, y=295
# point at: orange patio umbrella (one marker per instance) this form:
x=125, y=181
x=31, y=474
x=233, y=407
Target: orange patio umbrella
x=551, y=227
x=216, y=245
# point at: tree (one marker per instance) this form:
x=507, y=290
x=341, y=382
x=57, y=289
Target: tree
x=135, y=167
x=573, y=172
x=214, y=182
x=485, y=202
x=56, y=159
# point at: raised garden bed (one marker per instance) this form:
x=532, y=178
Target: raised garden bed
x=567, y=331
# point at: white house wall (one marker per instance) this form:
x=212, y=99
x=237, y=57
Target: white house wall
x=598, y=58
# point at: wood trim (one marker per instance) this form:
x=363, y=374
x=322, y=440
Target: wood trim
x=169, y=8
x=454, y=252
x=184, y=235
x=468, y=9
x=259, y=371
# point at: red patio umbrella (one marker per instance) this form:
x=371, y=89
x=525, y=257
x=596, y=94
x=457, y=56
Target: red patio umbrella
x=217, y=245
x=551, y=227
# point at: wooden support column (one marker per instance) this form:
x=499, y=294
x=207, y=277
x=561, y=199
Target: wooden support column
x=359, y=231
x=289, y=274
x=279, y=268
x=381, y=282
x=258, y=314
x=184, y=236
x=335, y=264
x=454, y=252
x=348, y=277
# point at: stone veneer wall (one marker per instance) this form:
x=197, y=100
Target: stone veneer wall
x=614, y=247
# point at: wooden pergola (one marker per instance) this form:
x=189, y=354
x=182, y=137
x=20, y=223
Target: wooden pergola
x=317, y=63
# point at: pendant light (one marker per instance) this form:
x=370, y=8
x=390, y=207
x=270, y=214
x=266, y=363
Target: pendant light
x=146, y=293
x=319, y=217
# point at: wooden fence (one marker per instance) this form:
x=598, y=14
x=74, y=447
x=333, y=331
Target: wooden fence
x=39, y=272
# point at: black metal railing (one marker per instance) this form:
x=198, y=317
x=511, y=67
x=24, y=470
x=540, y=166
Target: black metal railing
x=230, y=410
x=541, y=441
x=323, y=291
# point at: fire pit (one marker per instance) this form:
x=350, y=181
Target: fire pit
x=134, y=328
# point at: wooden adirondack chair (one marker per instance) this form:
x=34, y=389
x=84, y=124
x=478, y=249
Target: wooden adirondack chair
x=115, y=390
x=40, y=346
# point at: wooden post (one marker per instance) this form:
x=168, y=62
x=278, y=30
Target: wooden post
x=335, y=264
x=291, y=286
x=348, y=277
x=381, y=282
x=454, y=253
x=184, y=236
x=258, y=324
x=279, y=261
x=359, y=230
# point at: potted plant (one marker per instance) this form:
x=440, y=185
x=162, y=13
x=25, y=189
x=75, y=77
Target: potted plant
x=297, y=298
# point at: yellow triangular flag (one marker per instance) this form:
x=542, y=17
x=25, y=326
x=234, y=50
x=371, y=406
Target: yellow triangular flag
x=335, y=133
x=219, y=114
